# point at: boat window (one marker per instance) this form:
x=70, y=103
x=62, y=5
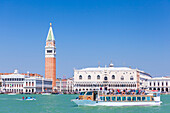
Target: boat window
x=129, y=98
x=102, y=98
x=89, y=93
x=123, y=98
x=143, y=98
x=134, y=98
x=154, y=95
x=113, y=98
x=82, y=93
x=158, y=94
x=148, y=98
x=138, y=98
x=152, y=99
x=107, y=98
x=118, y=98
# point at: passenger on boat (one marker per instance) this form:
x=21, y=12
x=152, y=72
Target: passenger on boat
x=23, y=98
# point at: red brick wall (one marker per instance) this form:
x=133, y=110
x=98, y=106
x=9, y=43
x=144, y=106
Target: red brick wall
x=50, y=69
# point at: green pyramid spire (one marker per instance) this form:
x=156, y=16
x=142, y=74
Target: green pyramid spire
x=50, y=36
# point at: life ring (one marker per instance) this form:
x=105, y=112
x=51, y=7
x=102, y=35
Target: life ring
x=88, y=98
x=123, y=93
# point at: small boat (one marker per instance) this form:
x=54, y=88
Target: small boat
x=29, y=98
x=45, y=93
x=11, y=93
x=99, y=98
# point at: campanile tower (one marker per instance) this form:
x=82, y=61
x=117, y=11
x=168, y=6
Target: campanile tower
x=50, y=57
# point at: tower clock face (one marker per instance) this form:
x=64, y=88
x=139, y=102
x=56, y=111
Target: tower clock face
x=49, y=44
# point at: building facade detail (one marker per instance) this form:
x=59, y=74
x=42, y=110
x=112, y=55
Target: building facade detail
x=24, y=83
x=108, y=77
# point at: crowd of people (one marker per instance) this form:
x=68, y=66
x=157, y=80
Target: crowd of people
x=124, y=91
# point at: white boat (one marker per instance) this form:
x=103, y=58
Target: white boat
x=94, y=98
x=11, y=93
x=29, y=98
x=45, y=93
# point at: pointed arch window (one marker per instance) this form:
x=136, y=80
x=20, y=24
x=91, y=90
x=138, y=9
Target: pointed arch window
x=122, y=78
x=105, y=78
x=131, y=78
x=98, y=77
x=80, y=77
x=113, y=76
x=89, y=77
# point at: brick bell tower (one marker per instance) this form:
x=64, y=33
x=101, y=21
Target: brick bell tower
x=50, y=57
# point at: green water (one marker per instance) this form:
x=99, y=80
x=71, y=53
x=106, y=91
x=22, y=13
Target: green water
x=62, y=104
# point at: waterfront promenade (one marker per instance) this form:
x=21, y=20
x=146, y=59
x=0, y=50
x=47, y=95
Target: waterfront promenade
x=62, y=104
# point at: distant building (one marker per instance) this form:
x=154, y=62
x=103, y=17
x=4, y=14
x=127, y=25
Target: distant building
x=24, y=83
x=109, y=77
x=159, y=83
x=64, y=85
x=50, y=57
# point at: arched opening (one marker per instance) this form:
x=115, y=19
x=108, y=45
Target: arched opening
x=113, y=76
x=158, y=89
x=98, y=77
x=131, y=78
x=166, y=89
x=80, y=77
x=105, y=78
x=89, y=77
x=122, y=78
x=162, y=89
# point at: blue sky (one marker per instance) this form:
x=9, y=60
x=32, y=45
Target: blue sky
x=130, y=33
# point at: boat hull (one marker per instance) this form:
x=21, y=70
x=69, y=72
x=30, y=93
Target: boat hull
x=30, y=99
x=101, y=103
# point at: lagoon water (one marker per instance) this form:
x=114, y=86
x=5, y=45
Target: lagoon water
x=62, y=104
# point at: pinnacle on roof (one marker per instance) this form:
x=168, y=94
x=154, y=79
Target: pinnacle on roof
x=50, y=36
x=111, y=64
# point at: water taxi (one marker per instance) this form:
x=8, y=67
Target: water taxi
x=100, y=98
x=28, y=98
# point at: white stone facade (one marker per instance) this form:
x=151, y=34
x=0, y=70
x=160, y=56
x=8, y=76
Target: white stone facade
x=110, y=77
x=64, y=85
x=19, y=83
x=159, y=83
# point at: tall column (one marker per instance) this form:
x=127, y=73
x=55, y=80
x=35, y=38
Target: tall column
x=50, y=57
